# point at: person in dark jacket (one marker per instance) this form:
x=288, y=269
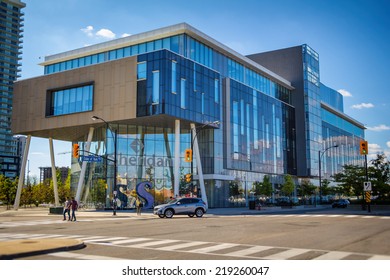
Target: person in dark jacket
x=74, y=205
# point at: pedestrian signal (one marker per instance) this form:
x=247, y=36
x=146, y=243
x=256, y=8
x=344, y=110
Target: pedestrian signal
x=188, y=178
x=363, y=147
x=76, y=150
x=188, y=155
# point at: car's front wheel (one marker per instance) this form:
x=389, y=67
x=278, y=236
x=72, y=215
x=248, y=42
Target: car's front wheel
x=169, y=213
x=161, y=215
x=199, y=212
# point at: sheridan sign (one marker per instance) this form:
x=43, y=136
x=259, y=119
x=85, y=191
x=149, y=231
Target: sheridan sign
x=150, y=161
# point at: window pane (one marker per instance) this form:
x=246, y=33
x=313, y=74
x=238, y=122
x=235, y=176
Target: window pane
x=141, y=70
x=156, y=87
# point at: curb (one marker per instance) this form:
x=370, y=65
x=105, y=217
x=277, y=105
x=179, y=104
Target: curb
x=26, y=247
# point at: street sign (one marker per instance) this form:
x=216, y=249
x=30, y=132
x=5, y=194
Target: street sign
x=367, y=186
x=91, y=158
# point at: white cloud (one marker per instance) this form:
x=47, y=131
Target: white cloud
x=88, y=30
x=388, y=144
x=374, y=148
x=105, y=33
x=345, y=93
x=125, y=35
x=379, y=128
x=102, y=33
x=362, y=105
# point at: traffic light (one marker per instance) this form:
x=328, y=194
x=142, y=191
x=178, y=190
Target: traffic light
x=76, y=150
x=188, y=155
x=188, y=178
x=363, y=147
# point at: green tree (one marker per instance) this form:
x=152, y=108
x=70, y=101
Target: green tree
x=351, y=179
x=325, y=189
x=263, y=188
x=288, y=186
x=379, y=173
x=306, y=188
x=235, y=188
x=7, y=190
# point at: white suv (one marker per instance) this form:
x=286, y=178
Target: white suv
x=183, y=206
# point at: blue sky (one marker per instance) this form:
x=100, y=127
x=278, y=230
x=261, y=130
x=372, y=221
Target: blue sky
x=351, y=37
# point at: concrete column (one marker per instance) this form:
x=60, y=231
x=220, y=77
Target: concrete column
x=177, y=159
x=198, y=164
x=54, y=173
x=84, y=166
x=22, y=172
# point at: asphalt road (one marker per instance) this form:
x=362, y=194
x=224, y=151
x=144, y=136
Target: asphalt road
x=213, y=237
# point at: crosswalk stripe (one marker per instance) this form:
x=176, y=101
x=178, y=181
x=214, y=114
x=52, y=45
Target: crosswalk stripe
x=153, y=243
x=183, y=245
x=87, y=238
x=119, y=242
x=333, y=255
x=213, y=248
x=104, y=239
x=287, y=254
x=249, y=251
x=379, y=257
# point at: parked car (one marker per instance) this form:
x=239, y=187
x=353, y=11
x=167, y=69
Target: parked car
x=183, y=206
x=340, y=203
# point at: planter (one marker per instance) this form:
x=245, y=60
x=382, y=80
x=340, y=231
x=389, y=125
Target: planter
x=58, y=210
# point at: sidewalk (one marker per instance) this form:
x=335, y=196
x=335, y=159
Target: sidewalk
x=23, y=248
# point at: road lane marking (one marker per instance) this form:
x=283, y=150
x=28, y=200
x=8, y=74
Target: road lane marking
x=285, y=255
x=183, y=245
x=153, y=243
x=333, y=255
x=213, y=248
x=249, y=251
x=125, y=241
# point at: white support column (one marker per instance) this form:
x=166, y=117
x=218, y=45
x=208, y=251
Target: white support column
x=84, y=166
x=198, y=164
x=177, y=159
x=22, y=172
x=54, y=173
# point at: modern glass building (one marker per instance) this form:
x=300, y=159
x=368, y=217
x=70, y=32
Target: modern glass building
x=11, y=29
x=159, y=93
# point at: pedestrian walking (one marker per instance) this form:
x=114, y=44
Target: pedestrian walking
x=74, y=206
x=67, y=208
x=139, y=205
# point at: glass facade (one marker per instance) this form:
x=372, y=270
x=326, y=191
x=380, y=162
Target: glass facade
x=312, y=103
x=332, y=98
x=11, y=29
x=192, y=49
x=155, y=96
x=262, y=134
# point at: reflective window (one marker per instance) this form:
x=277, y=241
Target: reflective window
x=216, y=91
x=141, y=70
x=183, y=93
x=174, y=77
x=70, y=100
x=156, y=87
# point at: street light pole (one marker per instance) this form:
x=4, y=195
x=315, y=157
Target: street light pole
x=114, y=136
x=320, y=154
